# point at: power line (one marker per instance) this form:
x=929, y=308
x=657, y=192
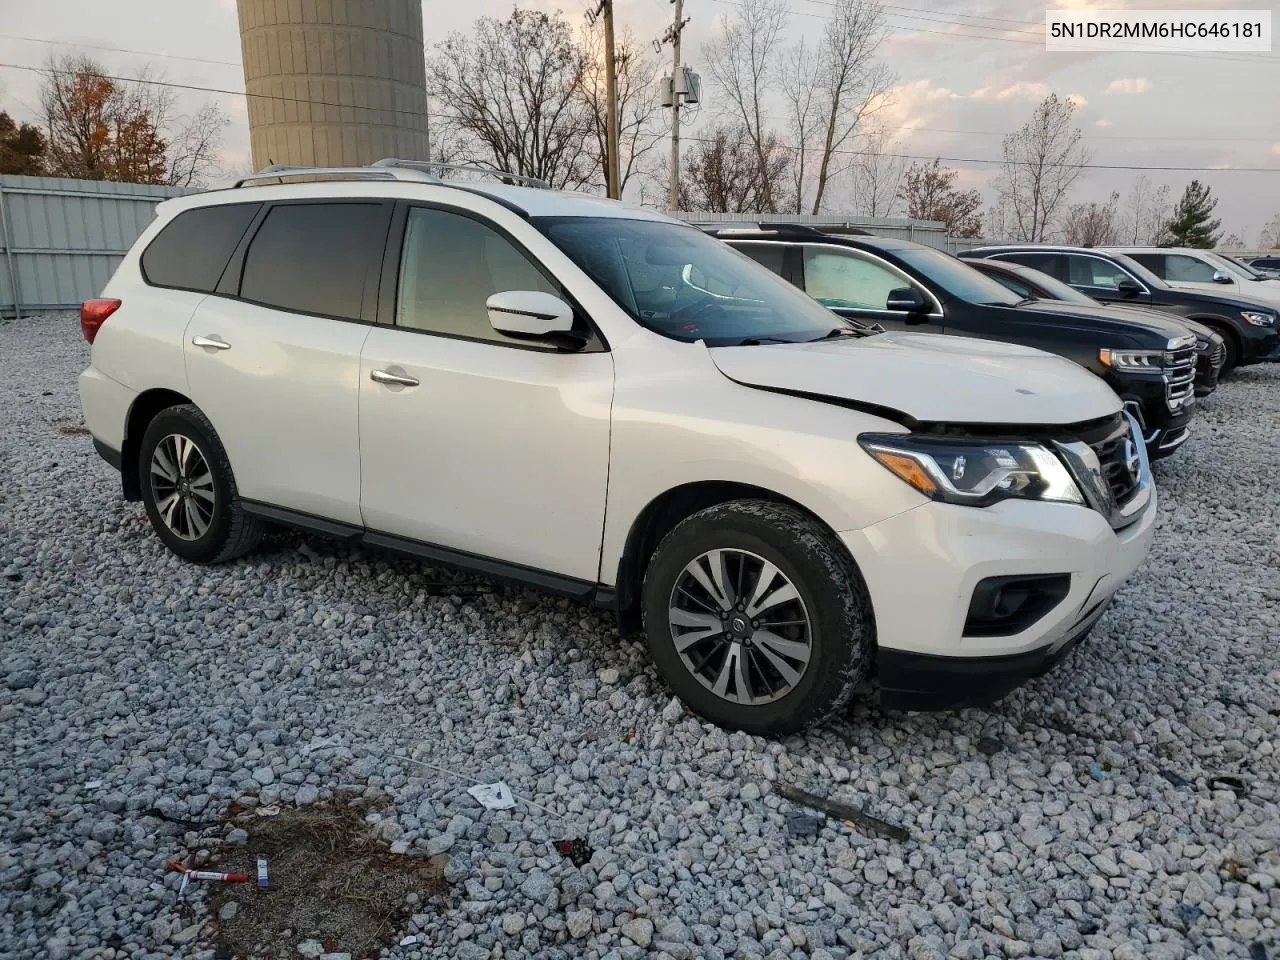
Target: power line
x=139, y=53
x=999, y=161
x=1038, y=41
x=857, y=153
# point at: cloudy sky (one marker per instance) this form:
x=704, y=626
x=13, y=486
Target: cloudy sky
x=968, y=73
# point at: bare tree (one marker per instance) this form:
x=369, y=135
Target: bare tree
x=1147, y=209
x=639, y=106
x=999, y=221
x=511, y=93
x=930, y=194
x=1042, y=160
x=192, y=149
x=876, y=174
x=722, y=173
x=1092, y=224
x=1269, y=237
x=852, y=84
x=742, y=61
x=801, y=93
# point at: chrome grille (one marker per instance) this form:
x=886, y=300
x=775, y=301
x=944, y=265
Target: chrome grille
x=1109, y=462
x=1180, y=374
x=1113, y=453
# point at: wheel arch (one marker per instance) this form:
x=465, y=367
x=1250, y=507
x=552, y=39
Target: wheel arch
x=145, y=407
x=660, y=515
x=1224, y=326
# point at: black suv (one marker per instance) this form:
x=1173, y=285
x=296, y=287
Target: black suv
x=1148, y=362
x=1248, y=325
x=1211, y=349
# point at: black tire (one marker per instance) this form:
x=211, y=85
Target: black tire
x=230, y=531
x=840, y=627
x=1231, y=349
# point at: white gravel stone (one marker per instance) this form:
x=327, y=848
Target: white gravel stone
x=289, y=674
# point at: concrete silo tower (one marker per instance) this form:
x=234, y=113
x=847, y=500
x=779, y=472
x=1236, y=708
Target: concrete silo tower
x=334, y=82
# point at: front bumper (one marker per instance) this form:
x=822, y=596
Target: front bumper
x=921, y=568
x=1261, y=345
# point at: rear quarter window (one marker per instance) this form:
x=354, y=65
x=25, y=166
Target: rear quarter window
x=193, y=250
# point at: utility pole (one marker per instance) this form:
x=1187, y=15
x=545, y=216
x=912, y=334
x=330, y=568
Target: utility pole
x=611, y=111
x=677, y=88
x=612, y=180
x=677, y=81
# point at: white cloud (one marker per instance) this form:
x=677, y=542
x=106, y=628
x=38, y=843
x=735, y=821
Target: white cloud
x=1077, y=100
x=1022, y=90
x=1103, y=123
x=1129, y=85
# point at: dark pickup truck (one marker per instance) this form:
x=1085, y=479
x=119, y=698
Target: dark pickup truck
x=1150, y=363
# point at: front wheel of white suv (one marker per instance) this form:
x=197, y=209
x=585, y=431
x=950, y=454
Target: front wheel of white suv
x=757, y=617
x=189, y=490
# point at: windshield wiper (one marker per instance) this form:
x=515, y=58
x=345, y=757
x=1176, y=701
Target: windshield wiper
x=1023, y=302
x=860, y=330
x=757, y=341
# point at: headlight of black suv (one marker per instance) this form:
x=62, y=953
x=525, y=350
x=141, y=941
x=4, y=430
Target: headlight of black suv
x=1259, y=318
x=973, y=473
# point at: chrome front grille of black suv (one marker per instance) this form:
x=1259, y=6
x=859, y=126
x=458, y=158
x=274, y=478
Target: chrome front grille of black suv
x=1180, y=373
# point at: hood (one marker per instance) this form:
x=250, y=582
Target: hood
x=1219, y=298
x=1145, y=324
x=928, y=377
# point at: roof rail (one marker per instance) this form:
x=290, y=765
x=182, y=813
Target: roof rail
x=282, y=171
x=388, y=168
x=431, y=167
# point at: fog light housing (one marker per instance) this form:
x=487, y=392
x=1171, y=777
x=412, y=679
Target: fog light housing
x=1003, y=606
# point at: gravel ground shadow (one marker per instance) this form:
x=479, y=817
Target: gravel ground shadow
x=330, y=881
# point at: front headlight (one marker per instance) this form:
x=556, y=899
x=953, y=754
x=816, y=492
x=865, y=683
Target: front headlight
x=973, y=473
x=1149, y=361
x=1259, y=318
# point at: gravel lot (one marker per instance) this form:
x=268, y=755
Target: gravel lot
x=136, y=688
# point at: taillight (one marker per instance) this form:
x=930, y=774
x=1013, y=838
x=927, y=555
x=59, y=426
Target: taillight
x=93, y=313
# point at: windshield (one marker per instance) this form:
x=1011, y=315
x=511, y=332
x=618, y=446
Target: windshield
x=1140, y=272
x=1233, y=266
x=683, y=284
x=1055, y=288
x=956, y=277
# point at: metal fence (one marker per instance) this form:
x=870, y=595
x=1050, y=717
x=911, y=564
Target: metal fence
x=61, y=239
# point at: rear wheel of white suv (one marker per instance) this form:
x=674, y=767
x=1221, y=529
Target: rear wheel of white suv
x=757, y=617
x=189, y=490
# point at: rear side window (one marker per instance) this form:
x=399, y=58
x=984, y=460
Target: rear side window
x=1044, y=262
x=193, y=250
x=1092, y=272
x=766, y=254
x=314, y=257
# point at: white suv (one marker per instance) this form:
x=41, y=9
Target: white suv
x=602, y=402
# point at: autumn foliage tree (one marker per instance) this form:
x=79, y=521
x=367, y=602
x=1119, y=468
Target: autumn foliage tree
x=22, y=147
x=100, y=128
x=929, y=193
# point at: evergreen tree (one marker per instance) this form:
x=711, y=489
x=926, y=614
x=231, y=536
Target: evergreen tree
x=1192, y=223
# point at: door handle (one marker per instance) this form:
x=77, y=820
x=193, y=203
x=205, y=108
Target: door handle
x=216, y=342
x=395, y=379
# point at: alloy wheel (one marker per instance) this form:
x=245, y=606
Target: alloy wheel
x=182, y=486
x=740, y=626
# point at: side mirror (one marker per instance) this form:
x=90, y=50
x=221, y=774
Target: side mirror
x=1221, y=276
x=529, y=313
x=1128, y=287
x=907, y=300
